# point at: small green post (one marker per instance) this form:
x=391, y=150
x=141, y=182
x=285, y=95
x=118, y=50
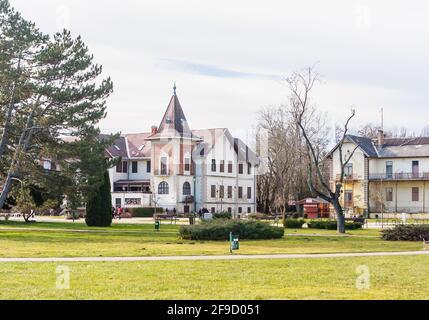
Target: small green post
x=233, y=242
x=157, y=225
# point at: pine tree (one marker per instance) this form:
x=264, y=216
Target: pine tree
x=99, y=206
x=50, y=89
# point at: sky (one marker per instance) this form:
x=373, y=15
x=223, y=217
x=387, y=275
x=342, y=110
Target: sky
x=228, y=58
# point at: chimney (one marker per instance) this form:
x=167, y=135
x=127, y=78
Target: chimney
x=154, y=129
x=380, y=137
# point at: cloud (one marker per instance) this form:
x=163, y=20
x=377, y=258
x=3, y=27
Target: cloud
x=209, y=70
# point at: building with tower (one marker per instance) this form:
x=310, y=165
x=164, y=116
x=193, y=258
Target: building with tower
x=174, y=167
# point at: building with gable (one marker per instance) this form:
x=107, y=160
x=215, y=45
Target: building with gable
x=173, y=166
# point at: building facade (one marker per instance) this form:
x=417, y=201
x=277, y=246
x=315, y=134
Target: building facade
x=173, y=166
x=384, y=175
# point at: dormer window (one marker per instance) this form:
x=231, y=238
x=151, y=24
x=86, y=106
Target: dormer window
x=167, y=120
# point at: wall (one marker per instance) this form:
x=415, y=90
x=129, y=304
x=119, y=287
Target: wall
x=402, y=196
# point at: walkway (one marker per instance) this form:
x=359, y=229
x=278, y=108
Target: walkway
x=218, y=257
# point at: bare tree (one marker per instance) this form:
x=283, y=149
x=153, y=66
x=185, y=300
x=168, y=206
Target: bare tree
x=300, y=86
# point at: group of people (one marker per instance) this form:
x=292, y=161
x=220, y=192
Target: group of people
x=202, y=211
x=174, y=211
x=117, y=212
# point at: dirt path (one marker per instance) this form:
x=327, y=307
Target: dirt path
x=218, y=257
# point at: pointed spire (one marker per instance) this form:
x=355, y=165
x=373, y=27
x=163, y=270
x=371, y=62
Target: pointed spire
x=174, y=88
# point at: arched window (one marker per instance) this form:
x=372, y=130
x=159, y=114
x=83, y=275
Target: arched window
x=163, y=188
x=186, y=189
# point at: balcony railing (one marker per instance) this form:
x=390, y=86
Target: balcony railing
x=400, y=176
x=349, y=177
x=158, y=172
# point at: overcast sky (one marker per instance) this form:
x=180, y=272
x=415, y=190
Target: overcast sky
x=228, y=57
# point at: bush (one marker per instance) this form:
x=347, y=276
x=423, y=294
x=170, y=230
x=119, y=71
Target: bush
x=145, y=212
x=219, y=229
x=332, y=225
x=222, y=215
x=99, y=206
x=293, y=223
x=406, y=233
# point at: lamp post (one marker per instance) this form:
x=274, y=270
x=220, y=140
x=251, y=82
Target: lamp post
x=194, y=179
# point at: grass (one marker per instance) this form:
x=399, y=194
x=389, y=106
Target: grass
x=335, y=278
x=75, y=239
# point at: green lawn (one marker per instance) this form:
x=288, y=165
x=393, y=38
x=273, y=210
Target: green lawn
x=335, y=278
x=69, y=240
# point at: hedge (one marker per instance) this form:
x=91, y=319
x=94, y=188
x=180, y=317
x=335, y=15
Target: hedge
x=219, y=229
x=410, y=232
x=332, y=225
x=293, y=223
x=222, y=215
x=145, y=212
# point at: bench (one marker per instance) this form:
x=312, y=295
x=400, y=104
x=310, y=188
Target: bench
x=170, y=217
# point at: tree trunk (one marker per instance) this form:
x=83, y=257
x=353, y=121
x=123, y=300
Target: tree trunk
x=341, y=223
x=6, y=189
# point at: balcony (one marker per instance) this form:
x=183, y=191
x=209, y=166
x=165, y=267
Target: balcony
x=399, y=176
x=349, y=177
x=165, y=173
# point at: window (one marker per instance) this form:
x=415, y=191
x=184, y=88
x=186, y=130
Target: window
x=186, y=189
x=240, y=168
x=213, y=165
x=202, y=152
x=348, y=170
x=229, y=210
x=164, y=165
x=240, y=192
x=213, y=210
x=389, y=194
x=415, y=169
x=222, y=166
x=249, y=192
x=163, y=188
x=134, y=166
x=229, y=192
x=186, y=209
x=229, y=166
x=249, y=168
x=415, y=194
x=240, y=210
x=348, y=198
x=47, y=165
x=249, y=209
x=118, y=202
x=148, y=166
x=221, y=192
x=187, y=164
x=389, y=169
x=213, y=191
x=122, y=167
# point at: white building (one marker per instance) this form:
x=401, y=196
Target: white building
x=176, y=167
x=389, y=175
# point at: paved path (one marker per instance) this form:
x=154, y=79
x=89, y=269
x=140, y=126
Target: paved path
x=218, y=257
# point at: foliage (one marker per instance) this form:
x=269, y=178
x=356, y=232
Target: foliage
x=145, y=212
x=293, y=223
x=332, y=225
x=51, y=100
x=219, y=229
x=99, y=207
x=406, y=233
x=222, y=215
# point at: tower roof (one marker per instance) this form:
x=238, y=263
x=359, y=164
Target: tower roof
x=173, y=123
